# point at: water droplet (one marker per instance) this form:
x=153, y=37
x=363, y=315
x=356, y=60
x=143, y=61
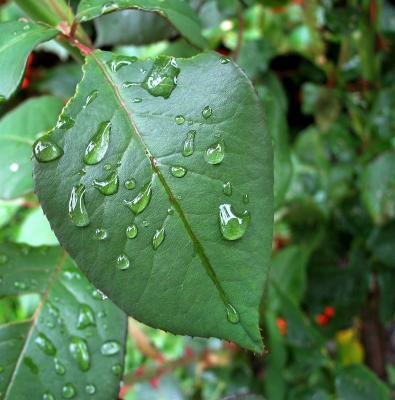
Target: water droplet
x=178, y=171
x=90, y=389
x=215, y=153
x=102, y=314
x=100, y=234
x=100, y=295
x=130, y=184
x=79, y=351
x=98, y=145
x=145, y=223
x=31, y=365
x=129, y=84
x=158, y=238
x=110, y=348
x=179, y=119
x=68, y=391
x=217, y=135
x=46, y=150
x=109, y=7
x=91, y=96
x=137, y=100
x=14, y=167
x=107, y=166
x=3, y=258
x=141, y=201
x=89, y=334
x=48, y=396
x=86, y=317
x=207, y=112
x=65, y=122
x=131, y=231
x=123, y=261
x=170, y=211
x=45, y=344
x=119, y=62
x=2, y=99
x=82, y=172
x=189, y=144
x=246, y=199
x=26, y=27
x=50, y=324
x=77, y=210
x=224, y=60
x=162, y=78
x=109, y=185
x=20, y=285
x=59, y=367
x=227, y=188
x=116, y=369
x=190, y=122
x=232, y=226
x=1, y=369
x=232, y=314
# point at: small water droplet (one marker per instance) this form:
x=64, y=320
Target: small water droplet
x=82, y=172
x=98, y=145
x=98, y=294
x=3, y=258
x=50, y=324
x=141, y=201
x=46, y=150
x=31, y=365
x=110, y=348
x=178, y=171
x=131, y=231
x=190, y=122
x=100, y=234
x=45, y=344
x=170, y=211
x=20, y=285
x=107, y=166
x=79, y=351
x=102, y=314
x=90, y=389
x=207, y=112
x=65, y=122
x=26, y=27
x=129, y=84
x=227, y=188
x=48, y=396
x=68, y=391
x=91, y=97
x=232, y=314
x=137, y=100
x=89, y=334
x=109, y=185
x=179, y=119
x=1, y=369
x=130, y=184
x=162, y=78
x=232, y=227
x=189, y=144
x=224, y=60
x=77, y=210
x=145, y=223
x=116, y=369
x=246, y=199
x=217, y=135
x=158, y=238
x=123, y=261
x=59, y=367
x=86, y=317
x=14, y=167
x=215, y=153
x=109, y=7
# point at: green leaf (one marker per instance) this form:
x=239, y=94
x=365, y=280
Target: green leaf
x=357, y=382
x=156, y=249
x=60, y=349
x=17, y=40
x=18, y=131
x=179, y=13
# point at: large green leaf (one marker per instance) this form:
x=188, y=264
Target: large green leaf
x=193, y=154
x=17, y=40
x=18, y=131
x=73, y=339
x=179, y=13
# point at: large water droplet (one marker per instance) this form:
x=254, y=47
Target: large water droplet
x=3, y=258
x=207, y=112
x=86, y=317
x=215, y=153
x=189, y=144
x=109, y=185
x=178, y=171
x=130, y=184
x=119, y=62
x=45, y=344
x=77, y=210
x=79, y=351
x=232, y=227
x=246, y=199
x=90, y=389
x=65, y=122
x=100, y=234
x=224, y=60
x=131, y=231
x=68, y=391
x=59, y=367
x=91, y=97
x=232, y=314
x=48, y=396
x=31, y=365
x=46, y=150
x=123, y=261
x=162, y=79
x=110, y=348
x=116, y=369
x=179, y=119
x=158, y=238
x=227, y=188
x=98, y=145
x=107, y=166
x=109, y=7
x=141, y=201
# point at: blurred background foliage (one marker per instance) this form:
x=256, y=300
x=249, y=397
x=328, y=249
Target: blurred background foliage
x=325, y=72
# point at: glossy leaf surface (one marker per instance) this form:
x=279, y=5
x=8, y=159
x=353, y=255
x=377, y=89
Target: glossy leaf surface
x=59, y=350
x=178, y=273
